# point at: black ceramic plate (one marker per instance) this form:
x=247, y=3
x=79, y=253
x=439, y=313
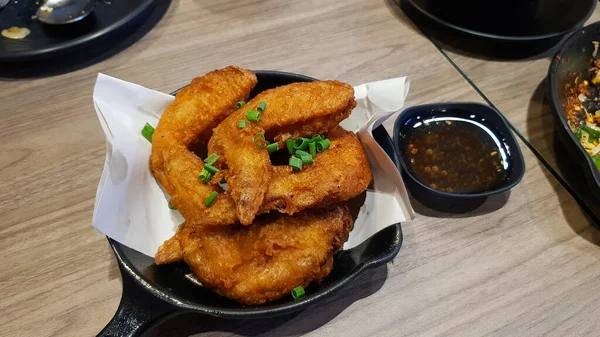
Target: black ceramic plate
x=45, y=40
x=516, y=20
x=152, y=293
x=573, y=56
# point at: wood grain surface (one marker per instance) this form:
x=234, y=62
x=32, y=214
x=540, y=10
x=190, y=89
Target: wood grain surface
x=523, y=264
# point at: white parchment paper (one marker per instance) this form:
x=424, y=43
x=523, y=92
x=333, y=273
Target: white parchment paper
x=132, y=208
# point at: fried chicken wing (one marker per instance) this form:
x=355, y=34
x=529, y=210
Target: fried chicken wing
x=248, y=258
x=266, y=260
x=205, y=103
x=196, y=110
x=294, y=110
x=338, y=174
x=248, y=167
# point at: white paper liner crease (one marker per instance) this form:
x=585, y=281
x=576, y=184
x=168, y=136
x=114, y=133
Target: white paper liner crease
x=132, y=208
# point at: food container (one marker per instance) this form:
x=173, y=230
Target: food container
x=154, y=293
x=573, y=56
x=452, y=201
x=498, y=29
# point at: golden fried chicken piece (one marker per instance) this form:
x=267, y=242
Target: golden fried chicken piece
x=205, y=103
x=266, y=260
x=338, y=174
x=197, y=109
x=297, y=109
x=170, y=251
x=248, y=168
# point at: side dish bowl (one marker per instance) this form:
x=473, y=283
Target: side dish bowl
x=573, y=56
x=482, y=115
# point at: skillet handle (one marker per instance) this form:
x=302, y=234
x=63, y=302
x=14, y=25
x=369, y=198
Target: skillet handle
x=138, y=311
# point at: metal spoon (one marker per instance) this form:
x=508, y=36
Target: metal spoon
x=3, y=3
x=57, y=12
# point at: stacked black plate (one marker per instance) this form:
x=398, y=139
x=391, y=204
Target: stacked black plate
x=503, y=28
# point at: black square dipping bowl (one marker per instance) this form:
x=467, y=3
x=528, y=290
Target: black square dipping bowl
x=483, y=116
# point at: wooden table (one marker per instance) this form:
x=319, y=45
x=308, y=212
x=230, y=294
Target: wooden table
x=522, y=264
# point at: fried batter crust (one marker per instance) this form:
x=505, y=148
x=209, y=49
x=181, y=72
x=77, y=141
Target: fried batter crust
x=266, y=260
x=293, y=110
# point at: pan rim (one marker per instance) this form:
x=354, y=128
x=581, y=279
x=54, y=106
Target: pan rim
x=430, y=16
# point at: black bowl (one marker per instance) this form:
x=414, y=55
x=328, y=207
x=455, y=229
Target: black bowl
x=154, y=293
x=573, y=56
x=505, y=29
x=509, y=19
x=458, y=202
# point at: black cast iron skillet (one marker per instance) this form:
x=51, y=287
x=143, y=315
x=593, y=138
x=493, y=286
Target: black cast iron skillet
x=573, y=56
x=152, y=294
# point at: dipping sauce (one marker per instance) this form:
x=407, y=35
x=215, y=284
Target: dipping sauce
x=15, y=33
x=455, y=154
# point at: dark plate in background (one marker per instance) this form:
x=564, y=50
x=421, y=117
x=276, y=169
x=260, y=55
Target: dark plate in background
x=509, y=19
x=108, y=17
x=499, y=28
x=573, y=56
x=152, y=294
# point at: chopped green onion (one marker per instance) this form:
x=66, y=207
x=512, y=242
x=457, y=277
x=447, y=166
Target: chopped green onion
x=171, y=206
x=323, y=145
x=147, y=132
x=290, y=146
x=312, y=149
x=307, y=159
x=596, y=160
x=211, y=168
x=594, y=134
x=240, y=104
x=300, y=153
x=258, y=142
x=211, y=159
x=317, y=138
x=253, y=115
x=298, y=292
x=261, y=106
x=241, y=124
x=211, y=198
x=205, y=176
x=301, y=143
x=273, y=147
x=296, y=163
